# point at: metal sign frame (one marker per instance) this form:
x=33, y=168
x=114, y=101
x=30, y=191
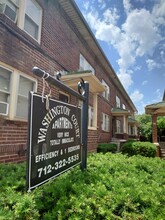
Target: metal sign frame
x=56, y=131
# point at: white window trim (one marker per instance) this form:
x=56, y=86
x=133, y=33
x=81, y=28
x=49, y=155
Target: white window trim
x=94, y=127
x=86, y=64
x=118, y=126
x=90, y=112
x=118, y=102
x=15, y=75
x=123, y=106
x=20, y=18
x=106, y=94
x=64, y=93
x=105, y=126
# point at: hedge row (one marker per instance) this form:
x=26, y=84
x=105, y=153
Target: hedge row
x=146, y=149
x=106, y=147
x=113, y=187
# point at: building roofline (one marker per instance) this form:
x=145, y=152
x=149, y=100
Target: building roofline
x=71, y=8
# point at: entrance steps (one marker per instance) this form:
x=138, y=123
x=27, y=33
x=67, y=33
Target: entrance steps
x=118, y=142
x=162, y=149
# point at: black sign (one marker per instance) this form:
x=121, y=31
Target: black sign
x=54, y=139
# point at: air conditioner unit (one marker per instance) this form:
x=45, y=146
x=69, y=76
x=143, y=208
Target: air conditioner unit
x=8, y=11
x=4, y=108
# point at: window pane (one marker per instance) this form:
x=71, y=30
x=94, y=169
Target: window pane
x=4, y=79
x=117, y=102
x=63, y=98
x=12, y=6
x=84, y=65
x=22, y=107
x=16, y=2
x=106, y=93
x=33, y=11
x=90, y=116
x=33, y=16
x=25, y=85
x=3, y=97
x=31, y=27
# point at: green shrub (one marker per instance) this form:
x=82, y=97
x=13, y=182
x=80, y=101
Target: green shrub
x=145, y=149
x=107, y=147
x=113, y=186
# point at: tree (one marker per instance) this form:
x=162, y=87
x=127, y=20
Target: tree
x=161, y=126
x=145, y=126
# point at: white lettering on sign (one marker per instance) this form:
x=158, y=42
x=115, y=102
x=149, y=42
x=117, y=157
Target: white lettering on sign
x=59, y=134
x=67, y=140
x=46, y=156
x=42, y=171
x=76, y=126
x=74, y=148
x=52, y=113
x=54, y=142
x=62, y=123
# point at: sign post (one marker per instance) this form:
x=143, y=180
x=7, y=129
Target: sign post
x=57, y=137
x=85, y=86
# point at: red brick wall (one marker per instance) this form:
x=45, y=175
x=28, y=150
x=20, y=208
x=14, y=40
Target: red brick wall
x=13, y=138
x=92, y=140
x=61, y=45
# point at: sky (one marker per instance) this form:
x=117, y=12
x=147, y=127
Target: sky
x=132, y=35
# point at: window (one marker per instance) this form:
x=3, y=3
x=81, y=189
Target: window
x=124, y=106
x=63, y=97
x=117, y=102
x=32, y=19
x=131, y=130
x=105, y=122
x=107, y=92
x=9, y=8
x=84, y=65
x=4, y=90
x=90, y=116
x=25, y=85
x=14, y=91
x=5, y=76
x=118, y=126
x=26, y=13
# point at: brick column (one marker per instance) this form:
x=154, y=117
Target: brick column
x=125, y=127
x=154, y=129
x=154, y=134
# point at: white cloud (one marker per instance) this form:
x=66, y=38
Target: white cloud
x=138, y=36
x=158, y=94
x=136, y=96
x=144, y=82
x=86, y=5
x=140, y=1
x=111, y=16
x=125, y=50
x=127, y=5
x=141, y=29
x=159, y=9
x=151, y=64
x=137, y=68
x=125, y=79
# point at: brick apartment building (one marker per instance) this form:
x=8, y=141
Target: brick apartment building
x=54, y=36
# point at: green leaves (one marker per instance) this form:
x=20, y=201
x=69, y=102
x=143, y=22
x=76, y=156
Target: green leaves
x=145, y=149
x=107, y=147
x=114, y=186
